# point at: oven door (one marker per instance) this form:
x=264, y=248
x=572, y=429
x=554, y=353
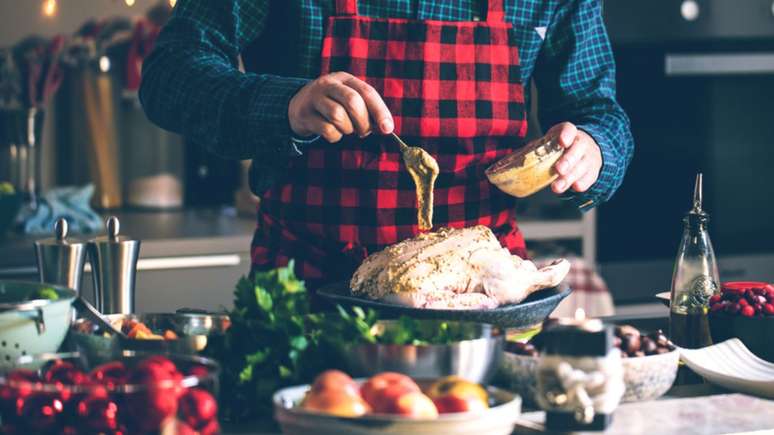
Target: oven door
x=700, y=100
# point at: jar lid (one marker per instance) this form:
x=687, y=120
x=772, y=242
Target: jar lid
x=571, y=340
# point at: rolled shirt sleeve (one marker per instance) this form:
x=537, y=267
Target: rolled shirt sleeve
x=192, y=84
x=575, y=78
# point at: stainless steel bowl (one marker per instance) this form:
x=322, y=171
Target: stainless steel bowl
x=476, y=359
x=194, y=331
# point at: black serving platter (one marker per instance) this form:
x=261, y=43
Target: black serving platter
x=529, y=312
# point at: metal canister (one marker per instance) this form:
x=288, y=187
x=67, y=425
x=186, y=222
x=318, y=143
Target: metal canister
x=60, y=260
x=114, y=267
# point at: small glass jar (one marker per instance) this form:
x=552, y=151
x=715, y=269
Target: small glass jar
x=579, y=376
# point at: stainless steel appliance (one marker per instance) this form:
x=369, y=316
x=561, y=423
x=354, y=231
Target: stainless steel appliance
x=697, y=80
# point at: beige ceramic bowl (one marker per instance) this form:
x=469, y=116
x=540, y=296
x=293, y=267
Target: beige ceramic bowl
x=499, y=419
x=646, y=377
x=528, y=169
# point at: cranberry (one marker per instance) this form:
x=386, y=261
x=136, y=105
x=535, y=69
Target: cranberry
x=730, y=296
x=732, y=308
x=714, y=299
x=198, y=407
x=98, y=414
x=39, y=411
x=743, y=303
x=110, y=374
x=717, y=307
x=768, y=309
x=748, y=311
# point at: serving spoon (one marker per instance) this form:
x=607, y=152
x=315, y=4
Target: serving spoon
x=423, y=169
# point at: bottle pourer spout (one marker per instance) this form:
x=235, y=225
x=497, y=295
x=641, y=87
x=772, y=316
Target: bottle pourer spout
x=697, y=195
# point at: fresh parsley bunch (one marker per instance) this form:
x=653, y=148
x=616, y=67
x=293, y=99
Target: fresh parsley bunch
x=274, y=341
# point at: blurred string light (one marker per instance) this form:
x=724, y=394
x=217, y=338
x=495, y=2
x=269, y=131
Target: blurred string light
x=49, y=8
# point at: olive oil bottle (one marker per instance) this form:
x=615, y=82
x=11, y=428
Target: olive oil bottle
x=694, y=280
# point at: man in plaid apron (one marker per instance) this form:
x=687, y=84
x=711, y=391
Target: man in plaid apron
x=452, y=85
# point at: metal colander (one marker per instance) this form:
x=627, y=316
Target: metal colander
x=28, y=325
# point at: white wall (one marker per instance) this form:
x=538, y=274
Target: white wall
x=21, y=18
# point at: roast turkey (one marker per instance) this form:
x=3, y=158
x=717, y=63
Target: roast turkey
x=452, y=269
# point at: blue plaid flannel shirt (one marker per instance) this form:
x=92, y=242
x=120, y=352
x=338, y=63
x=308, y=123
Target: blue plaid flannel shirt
x=192, y=85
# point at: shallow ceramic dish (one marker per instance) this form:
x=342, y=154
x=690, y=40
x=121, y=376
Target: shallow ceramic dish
x=529, y=312
x=646, y=377
x=475, y=359
x=528, y=169
x=499, y=419
x=731, y=365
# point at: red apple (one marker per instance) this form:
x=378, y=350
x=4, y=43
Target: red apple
x=335, y=380
x=451, y=404
x=336, y=403
x=371, y=388
x=415, y=405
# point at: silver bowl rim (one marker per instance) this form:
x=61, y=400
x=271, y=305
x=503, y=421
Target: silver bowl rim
x=489, y=332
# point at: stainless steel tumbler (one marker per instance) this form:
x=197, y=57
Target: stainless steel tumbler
x=60, y=261
x=114, y=267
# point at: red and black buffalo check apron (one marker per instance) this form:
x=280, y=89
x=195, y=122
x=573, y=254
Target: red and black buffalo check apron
x=453, y=88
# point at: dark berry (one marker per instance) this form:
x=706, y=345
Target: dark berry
x=732, y=308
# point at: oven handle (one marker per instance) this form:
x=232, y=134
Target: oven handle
x=718, y=64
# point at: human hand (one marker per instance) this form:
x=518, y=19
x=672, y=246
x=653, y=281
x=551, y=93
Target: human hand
x=582, y=160
x=338, y=104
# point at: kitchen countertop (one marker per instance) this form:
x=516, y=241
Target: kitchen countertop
x=163, y=233
x=684, y=410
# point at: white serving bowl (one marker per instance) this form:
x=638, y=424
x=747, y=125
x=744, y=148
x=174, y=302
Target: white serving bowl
x=294, y=420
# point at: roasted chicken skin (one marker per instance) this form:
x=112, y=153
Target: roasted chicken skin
x=452, y=269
